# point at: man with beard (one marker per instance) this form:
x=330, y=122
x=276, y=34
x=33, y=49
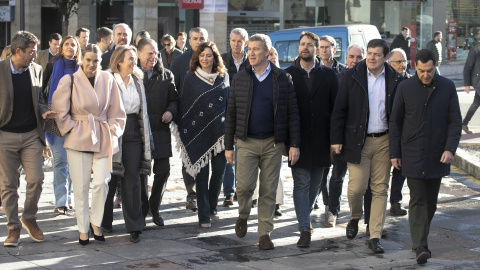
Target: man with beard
x=122, y=35
x=316, y=87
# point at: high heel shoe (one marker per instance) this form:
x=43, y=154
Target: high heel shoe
x=84, y=242
x=97, y=237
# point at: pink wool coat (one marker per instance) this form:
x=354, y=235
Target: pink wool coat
x=91, y=119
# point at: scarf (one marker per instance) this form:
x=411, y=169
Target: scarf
x=206, y=77
x=61, y=67
x=200, y=125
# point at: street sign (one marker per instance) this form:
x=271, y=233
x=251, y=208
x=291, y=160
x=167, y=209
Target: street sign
x=7, y=13
x=190, y=4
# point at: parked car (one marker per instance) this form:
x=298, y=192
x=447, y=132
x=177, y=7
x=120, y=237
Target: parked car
x=286, y=41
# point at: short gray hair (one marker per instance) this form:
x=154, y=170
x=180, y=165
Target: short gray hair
x=127, y=28
x=357, y=46
x=199, y=30
x=267, y=42
x=22, y=40
x=240, y=31
x=400, y=50
x=329, y=39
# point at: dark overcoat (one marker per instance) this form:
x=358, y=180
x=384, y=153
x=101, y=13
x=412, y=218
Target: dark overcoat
x=423, y=125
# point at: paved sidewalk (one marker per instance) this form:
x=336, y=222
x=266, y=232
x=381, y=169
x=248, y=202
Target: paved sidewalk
x=182, y=244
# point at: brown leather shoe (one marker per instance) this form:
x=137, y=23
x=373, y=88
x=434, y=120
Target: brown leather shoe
x=397, y=210
x=305, y=238
x=228, y=201
x=32, y=228
x=12, y=238
x=265, y=243
x=241, y=227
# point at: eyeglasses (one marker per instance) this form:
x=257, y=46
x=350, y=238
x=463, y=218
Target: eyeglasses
x=166, y=44
x=399, y=62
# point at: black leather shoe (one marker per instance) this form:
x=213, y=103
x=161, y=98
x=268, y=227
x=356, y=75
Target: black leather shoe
x=135, y=237
x=278, y=212
x=157, y=219
x=375, y=246
x=423, y=254
x=352, y=228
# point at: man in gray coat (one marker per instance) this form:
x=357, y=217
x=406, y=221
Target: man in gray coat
x=425, y=129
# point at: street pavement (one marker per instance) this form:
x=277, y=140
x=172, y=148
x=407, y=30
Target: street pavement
x=181, y=244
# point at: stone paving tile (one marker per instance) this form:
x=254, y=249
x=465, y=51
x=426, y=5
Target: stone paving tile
x=210, y=260
x=72, y=259
x=152, y=264
x=13, y=263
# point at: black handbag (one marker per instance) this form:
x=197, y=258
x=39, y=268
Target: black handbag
x=50, y=125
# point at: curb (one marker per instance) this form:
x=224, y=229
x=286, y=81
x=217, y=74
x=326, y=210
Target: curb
x=466, y=162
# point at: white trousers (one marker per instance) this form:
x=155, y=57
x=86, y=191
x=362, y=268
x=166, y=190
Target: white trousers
x=81, y=165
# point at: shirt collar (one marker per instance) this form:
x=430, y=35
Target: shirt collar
x=241, y=61
x=266, y=70
x=371, y=74
x=51, y=52
x=13, y=69
x=314, y=64
x=149, y=72
x=121, y=82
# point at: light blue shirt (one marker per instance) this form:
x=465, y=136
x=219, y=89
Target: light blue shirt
x=13, y=69
x=264, y=75
x=377, y=119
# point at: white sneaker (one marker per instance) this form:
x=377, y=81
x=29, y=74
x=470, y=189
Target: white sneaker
x=206, y=225
x=331, y=220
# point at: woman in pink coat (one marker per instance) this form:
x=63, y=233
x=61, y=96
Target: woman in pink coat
x=91, y=117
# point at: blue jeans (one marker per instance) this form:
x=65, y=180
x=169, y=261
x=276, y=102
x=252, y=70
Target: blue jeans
x=229, y=178
x=62, y=184
x=306, y=187
x=336, y=183
x=207, y=193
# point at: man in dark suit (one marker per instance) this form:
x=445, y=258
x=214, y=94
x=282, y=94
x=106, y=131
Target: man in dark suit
x=46, y=56
x=179, y=68
x=22, y=138
x=316, y=87
x=122, y=35
x=169, y=51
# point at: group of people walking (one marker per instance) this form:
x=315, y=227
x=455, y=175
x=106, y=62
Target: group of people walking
x=233, y=115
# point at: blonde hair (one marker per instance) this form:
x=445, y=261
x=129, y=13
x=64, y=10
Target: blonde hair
x=118, y=56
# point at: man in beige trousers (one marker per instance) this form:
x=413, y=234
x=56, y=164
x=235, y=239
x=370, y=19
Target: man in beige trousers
x=21, y=135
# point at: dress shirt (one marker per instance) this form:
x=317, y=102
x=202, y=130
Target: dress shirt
x=130, y=97
x=13, y=69
x=264, y=75
x=238, y=64
x=377, y=119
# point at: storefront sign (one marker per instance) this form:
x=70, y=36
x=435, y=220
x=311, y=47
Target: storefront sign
x=452, y=39
x=7, y=13
x=190, y=4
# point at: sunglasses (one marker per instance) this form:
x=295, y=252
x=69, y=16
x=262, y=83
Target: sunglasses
x=166, y=44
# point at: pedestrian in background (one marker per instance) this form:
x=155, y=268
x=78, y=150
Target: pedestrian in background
x=92, y=118
x=471, y=78
x=65, y=63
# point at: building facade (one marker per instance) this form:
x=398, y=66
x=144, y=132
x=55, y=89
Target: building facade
x=457, y=19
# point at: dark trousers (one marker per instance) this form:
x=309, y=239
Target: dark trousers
x=323, y=186
x=397, y=185
x=189, y=182
x=367, y=203
x=161, y=171
x=108, y=212
x=336, y=183
x=422, y=207
x=207, y=192
x=473, y=108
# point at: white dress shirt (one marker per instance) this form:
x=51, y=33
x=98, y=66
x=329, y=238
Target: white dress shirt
x=264, y=74
x=377, y=119
x=238, y=64
x=130, y=97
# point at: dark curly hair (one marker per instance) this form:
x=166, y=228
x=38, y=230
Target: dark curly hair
x=218, y=65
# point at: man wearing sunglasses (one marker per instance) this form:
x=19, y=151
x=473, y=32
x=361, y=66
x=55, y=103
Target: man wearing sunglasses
x=169, y=51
